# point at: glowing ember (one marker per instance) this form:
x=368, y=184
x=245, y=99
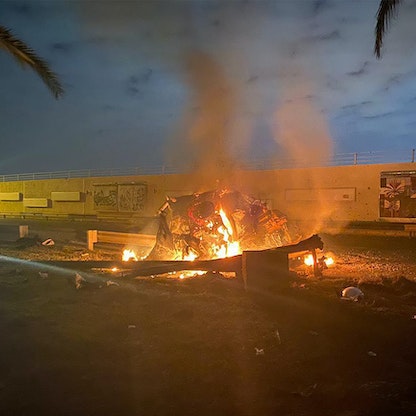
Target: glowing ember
x=129, y=255
x=308, y=260
x=191, y=273
x=329, y=261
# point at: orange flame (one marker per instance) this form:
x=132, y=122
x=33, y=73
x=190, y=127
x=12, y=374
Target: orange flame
x=308, y=260
x=129, y=254
x=191, y=256
x=329, y=261
x=228, y=248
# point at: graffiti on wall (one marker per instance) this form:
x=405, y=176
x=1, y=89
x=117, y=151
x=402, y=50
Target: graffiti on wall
x=398, y=194
x=120, y=197
x=105, y=197
x=131, y=198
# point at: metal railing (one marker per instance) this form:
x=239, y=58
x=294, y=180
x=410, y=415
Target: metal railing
x=340, y=159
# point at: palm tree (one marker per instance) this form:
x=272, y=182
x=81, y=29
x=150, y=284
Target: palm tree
x=26, y=56
x=387, y=10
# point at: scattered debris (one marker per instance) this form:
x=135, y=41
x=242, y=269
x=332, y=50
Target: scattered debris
x=352, y=293
x=111, y=283
x=259, y=351
x=313, y=333
x=48, y=242
x=131, y=326
x=297, y=285
x=43, y=275
x=79, y=281
x=372, y=354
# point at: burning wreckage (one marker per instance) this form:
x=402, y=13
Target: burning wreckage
x=216, y=224
x=220, y=232
x=225, y=231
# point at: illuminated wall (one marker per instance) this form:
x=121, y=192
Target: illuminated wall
x=337, y=194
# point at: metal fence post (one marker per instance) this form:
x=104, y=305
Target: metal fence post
x=413, y=155
x=355, y=158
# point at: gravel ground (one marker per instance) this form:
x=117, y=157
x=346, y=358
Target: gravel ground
x=204, y=345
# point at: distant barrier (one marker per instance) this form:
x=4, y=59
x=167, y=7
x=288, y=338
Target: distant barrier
x=340, y=159
x=411, y=229
x=112, y=237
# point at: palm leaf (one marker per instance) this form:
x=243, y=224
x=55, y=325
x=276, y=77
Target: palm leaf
x=26, y=56
x=387, y=10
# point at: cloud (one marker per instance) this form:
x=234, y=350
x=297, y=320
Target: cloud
x=271, y=67
x=333, y=35
x=379, y=116
x=363, y=70
x=319, y=5
x=22, y=8
x=64, y=47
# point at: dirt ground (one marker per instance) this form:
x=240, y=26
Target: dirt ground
x=153, y=346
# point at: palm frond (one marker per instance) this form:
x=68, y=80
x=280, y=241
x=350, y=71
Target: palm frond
x=26, y=56
x=387, y=10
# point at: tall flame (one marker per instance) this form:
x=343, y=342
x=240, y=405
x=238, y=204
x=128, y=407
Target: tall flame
x=226, y=222
x=228, y=247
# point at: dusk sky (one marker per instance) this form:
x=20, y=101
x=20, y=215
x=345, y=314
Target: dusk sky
x=154, y=82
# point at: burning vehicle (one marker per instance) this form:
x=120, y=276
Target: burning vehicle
x=221, y=231
x=216, y=224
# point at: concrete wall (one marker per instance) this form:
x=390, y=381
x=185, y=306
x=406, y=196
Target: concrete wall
x=341, y=194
